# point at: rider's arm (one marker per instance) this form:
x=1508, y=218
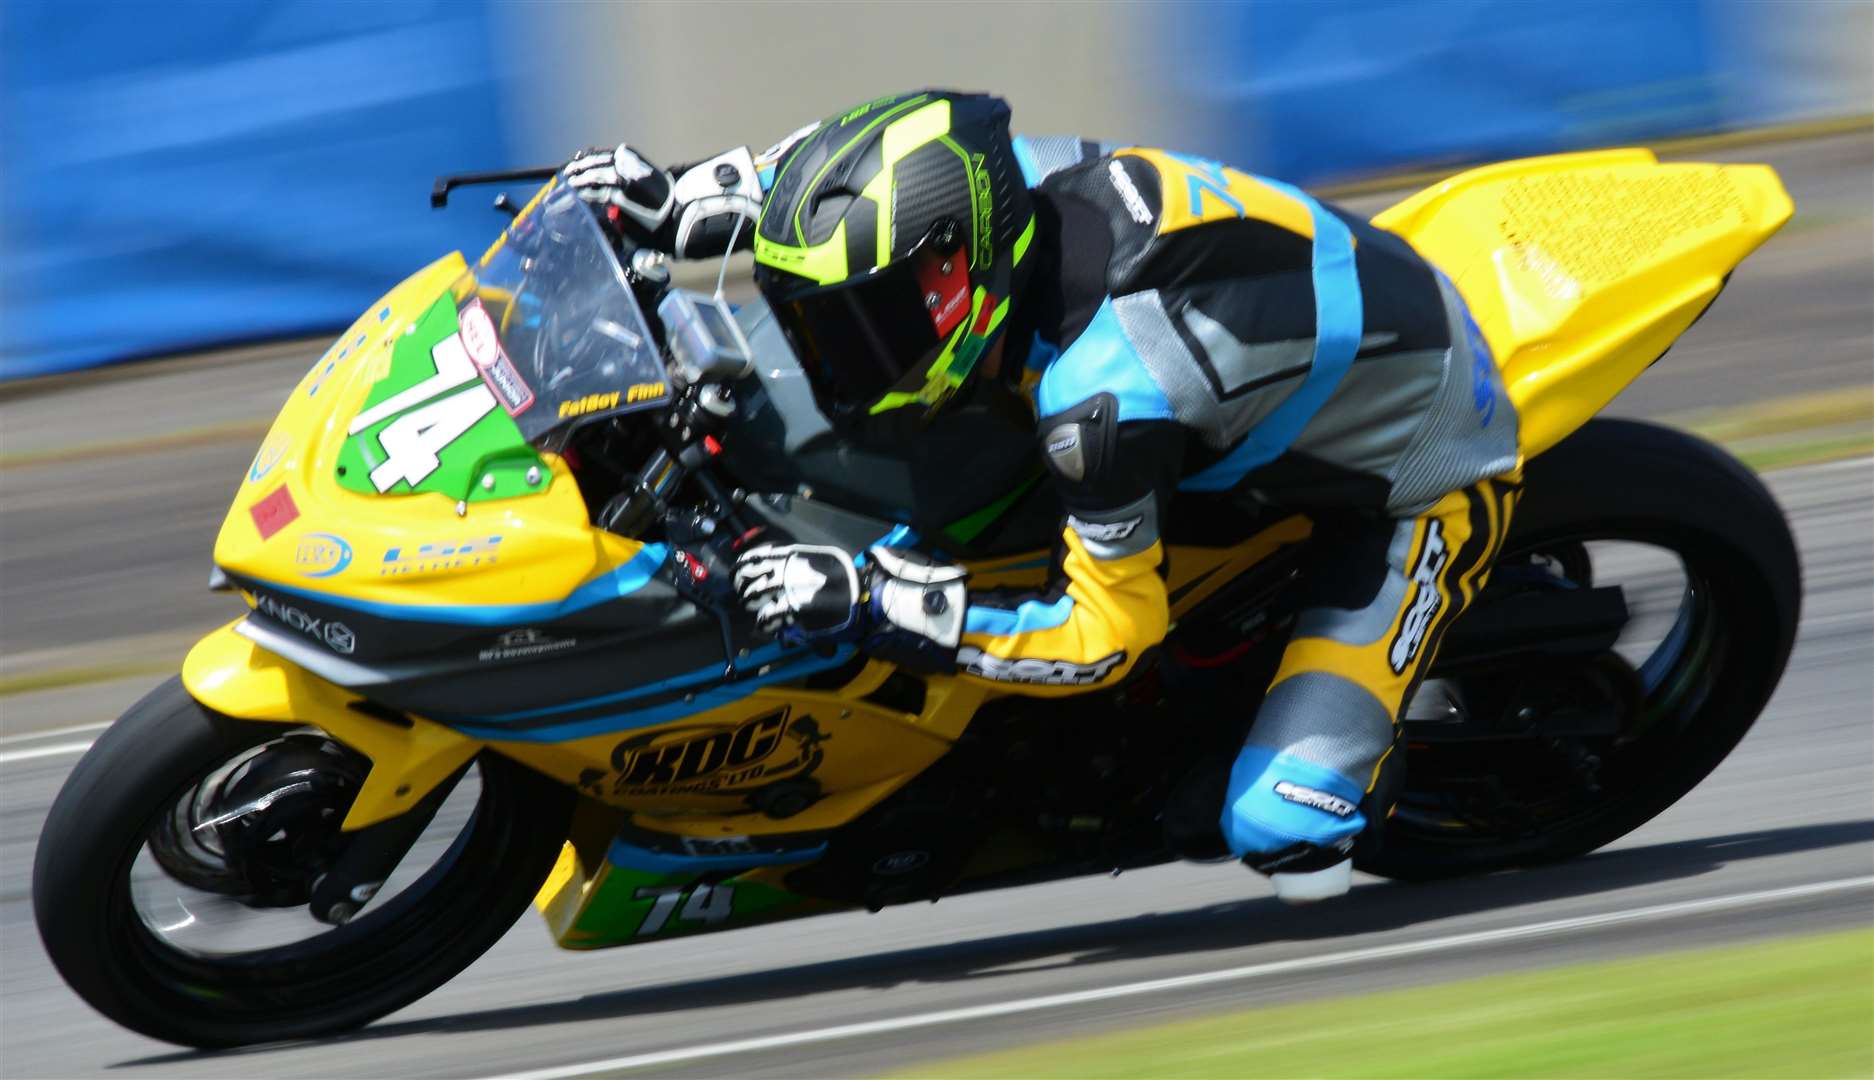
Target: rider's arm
x=1105, y=603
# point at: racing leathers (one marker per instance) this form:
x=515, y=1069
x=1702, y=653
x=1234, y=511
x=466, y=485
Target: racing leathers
x=1190, y=330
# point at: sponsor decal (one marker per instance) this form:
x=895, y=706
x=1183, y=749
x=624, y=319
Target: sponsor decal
x=325, y=367
x=645, y=391
x=484, y=348
x=706, y=846
x=442, y=555
x=322, y=555
x=1320, y=800
x=1426, y=601
x=333, y=634
x=716, y=759
x=901, y=862
x=1105, y=531
x=270, y=454
x=591, y=403
x=522, y=644
x=1065, y=452
x=1043, y=672
x=1129, y=193
x=273, y=512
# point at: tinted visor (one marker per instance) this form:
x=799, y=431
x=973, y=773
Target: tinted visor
x=859, y=338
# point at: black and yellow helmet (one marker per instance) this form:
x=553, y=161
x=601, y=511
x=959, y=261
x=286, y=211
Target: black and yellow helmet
x=889, y=247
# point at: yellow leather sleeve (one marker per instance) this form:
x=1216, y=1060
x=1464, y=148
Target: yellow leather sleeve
x=1114, y=609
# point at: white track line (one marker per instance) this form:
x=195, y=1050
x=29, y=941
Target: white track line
x=59, y=750
x=52, y=733
x=1185, y=982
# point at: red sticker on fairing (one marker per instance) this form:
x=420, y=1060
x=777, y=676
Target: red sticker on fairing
x=274, y=512
x=483, y=346
x=951, y=290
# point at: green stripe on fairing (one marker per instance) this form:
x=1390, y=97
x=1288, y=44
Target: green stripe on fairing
x=965, y=529
x=617, y=912
x=494, y=446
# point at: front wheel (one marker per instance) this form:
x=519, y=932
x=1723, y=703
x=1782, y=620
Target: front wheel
x=1579, y=751
x=172, y=875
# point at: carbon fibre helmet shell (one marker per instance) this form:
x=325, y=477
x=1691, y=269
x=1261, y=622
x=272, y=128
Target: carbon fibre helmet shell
x=859, y=241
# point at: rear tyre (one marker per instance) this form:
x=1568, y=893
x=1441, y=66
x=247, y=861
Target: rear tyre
x=1637, y=483
x=123, y=794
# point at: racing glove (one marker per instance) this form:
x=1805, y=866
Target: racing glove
x=697, y=214
x=900, y=605
x=622, y=178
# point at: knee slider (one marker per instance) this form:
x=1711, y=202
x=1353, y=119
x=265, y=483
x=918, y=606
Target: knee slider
x=1282, y=813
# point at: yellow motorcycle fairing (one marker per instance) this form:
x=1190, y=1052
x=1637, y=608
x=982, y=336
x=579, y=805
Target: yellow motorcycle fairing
x=235, y=677
x=1581, y=269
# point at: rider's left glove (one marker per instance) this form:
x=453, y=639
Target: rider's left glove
x=900, y=606
x=622, y=178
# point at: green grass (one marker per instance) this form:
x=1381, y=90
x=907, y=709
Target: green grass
x=1800, y=1007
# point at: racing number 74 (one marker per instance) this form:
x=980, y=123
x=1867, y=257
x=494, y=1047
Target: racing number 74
x=414, y=441
x=709, y=904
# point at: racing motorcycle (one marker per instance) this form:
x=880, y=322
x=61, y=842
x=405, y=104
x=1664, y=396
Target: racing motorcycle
x=490, y=655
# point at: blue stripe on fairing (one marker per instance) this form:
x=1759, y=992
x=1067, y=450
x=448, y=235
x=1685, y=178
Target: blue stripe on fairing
x=1028, y=615
x=620, y=581
x=767, y=654
x=901, y=537
x=713, y=697
x=1025, y=157
x=1339, y=321
x=633, y=857
x=1102, y=360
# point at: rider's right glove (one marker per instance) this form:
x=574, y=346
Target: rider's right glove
x=900, y=605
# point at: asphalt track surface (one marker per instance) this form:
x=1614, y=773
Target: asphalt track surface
x=104, y=557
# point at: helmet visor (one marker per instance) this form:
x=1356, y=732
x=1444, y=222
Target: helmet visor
x=861, y=337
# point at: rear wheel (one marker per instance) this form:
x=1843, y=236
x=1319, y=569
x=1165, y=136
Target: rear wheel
x=1712, y=582
x=172, y=876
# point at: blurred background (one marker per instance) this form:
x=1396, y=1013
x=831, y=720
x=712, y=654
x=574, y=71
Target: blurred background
x=195, y=194
x=199, y=172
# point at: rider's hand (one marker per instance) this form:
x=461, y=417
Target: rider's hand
x=800, y=592
x=906, y=608
x=622, y=178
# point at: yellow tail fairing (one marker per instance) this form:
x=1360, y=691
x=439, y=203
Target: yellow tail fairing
x=1580, y=269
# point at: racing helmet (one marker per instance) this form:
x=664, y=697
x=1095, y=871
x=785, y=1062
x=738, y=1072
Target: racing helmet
x=890, y=245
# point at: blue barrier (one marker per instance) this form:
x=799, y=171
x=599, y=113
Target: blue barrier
x=1314, y=91
x=200, y=172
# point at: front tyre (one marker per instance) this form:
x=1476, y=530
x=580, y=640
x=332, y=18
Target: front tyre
x=117, y=818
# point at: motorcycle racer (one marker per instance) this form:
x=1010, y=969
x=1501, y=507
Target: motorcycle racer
x=1180, y=327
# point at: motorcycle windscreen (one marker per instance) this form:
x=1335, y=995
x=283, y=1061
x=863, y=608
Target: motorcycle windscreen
x=552, y=327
